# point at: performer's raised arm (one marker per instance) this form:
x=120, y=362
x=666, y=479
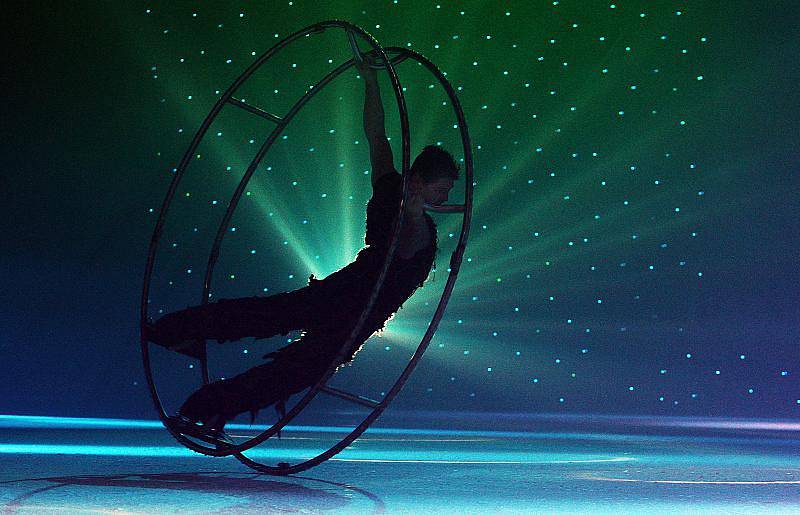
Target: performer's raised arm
x=380, y=153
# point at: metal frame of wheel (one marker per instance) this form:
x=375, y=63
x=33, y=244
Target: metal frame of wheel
x=399, y=54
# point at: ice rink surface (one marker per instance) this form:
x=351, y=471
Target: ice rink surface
x=542, y=464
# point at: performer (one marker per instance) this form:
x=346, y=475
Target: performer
x=327, y=309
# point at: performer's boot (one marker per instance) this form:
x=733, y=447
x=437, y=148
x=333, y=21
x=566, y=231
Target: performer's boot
x=211, y=432
x=181, y=332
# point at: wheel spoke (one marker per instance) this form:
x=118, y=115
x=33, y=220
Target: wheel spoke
x=255, y=110
x=358, y=399
x=446, y=208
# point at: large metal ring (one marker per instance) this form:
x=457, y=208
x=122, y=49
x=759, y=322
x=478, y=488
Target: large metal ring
x=228, y=98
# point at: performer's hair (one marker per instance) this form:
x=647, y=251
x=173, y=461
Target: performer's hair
x=435, y=163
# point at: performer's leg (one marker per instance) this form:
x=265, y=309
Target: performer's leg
x=233, y=319
x=295, y=367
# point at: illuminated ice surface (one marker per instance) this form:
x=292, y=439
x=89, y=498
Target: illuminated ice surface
x=534, y=464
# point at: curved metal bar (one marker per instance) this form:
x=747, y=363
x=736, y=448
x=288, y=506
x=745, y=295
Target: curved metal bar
x=455, y=265
x=394, y=60
x=162, y=216
x=319, y=27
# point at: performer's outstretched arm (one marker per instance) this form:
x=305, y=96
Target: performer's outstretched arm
x=380, y=153
x=412, y=235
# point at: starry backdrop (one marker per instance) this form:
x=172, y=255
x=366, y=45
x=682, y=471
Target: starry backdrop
x=634, y=241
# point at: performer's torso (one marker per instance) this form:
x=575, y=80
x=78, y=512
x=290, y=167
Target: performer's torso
x=353, y=283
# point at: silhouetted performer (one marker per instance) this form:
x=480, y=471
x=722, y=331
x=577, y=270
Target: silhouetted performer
x=327, y=309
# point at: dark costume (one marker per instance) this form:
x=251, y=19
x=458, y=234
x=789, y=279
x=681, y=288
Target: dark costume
x=326, y=310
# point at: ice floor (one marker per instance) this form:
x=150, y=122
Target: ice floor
x=542, y=465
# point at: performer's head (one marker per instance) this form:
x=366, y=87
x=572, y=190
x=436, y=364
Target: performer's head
x=433, y=173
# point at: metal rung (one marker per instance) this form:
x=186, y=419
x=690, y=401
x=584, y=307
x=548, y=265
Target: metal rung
x=255, y=110
x=350, y=397
x=446, y=208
